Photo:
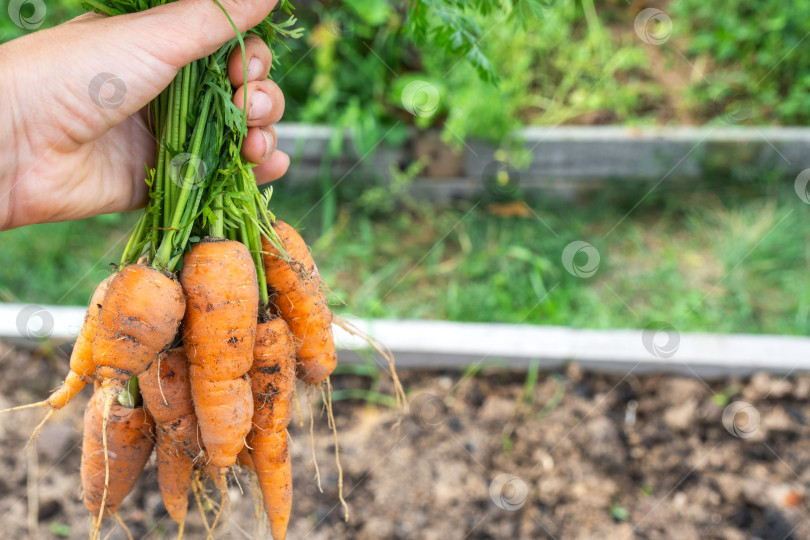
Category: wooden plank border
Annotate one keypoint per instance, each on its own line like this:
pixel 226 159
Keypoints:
pixel 441 345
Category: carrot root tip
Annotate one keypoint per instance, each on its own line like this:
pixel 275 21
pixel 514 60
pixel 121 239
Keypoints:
pixel 39 427
pixel 382 350
pixel 36 405
pixel 331 416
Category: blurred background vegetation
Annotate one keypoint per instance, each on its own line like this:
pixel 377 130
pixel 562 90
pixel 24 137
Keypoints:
pixel 576 62
pixel 716 258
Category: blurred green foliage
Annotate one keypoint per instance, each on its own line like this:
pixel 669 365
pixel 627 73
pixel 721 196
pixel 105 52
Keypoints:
pixel 561 61
pixel 56 12
pixel 565 67
pixel 756 57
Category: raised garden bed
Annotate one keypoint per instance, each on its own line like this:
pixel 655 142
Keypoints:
pixel 452 345
pixel 569 159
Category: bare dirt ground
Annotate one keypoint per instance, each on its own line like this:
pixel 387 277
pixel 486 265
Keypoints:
pixel 595 456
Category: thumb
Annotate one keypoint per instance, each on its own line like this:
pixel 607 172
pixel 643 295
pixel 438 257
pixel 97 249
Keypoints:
pixel 186 30
pixel 135 56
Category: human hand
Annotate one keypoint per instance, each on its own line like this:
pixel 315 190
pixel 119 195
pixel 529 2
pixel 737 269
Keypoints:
pixel 70 154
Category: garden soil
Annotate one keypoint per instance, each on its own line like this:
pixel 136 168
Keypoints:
pixel 577 455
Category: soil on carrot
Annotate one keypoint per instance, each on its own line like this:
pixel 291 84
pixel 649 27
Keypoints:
pixel 578 455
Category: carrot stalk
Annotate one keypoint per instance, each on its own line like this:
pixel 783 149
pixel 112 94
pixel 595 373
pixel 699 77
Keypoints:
pixel 167 246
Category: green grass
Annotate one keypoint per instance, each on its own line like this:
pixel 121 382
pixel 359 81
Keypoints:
pixel 61 263
pixel 706 265
pixel 699 260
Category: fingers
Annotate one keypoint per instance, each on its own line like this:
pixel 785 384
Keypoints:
pixel 259 146
pixel 265 102
pixel 258 57
pixel 198 28
pixel 265 99
pixel 259 143
pixel 274 168
pixel 265 107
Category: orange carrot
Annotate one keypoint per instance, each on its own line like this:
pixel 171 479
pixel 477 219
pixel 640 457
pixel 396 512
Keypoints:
pixel 166 394
pixel 301 303
pixel 271 457
pixel 174 469
pixel 138 319
pixel 272 379
pixel 272 376
pixel 218 333
pixel 129 444
pixel 166 391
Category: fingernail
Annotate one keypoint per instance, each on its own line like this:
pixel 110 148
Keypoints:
pixel 270 144
pixel 260 105
pixel 254 69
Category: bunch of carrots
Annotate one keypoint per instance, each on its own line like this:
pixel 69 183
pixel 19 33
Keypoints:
pixel 197 368
pixel 194 344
